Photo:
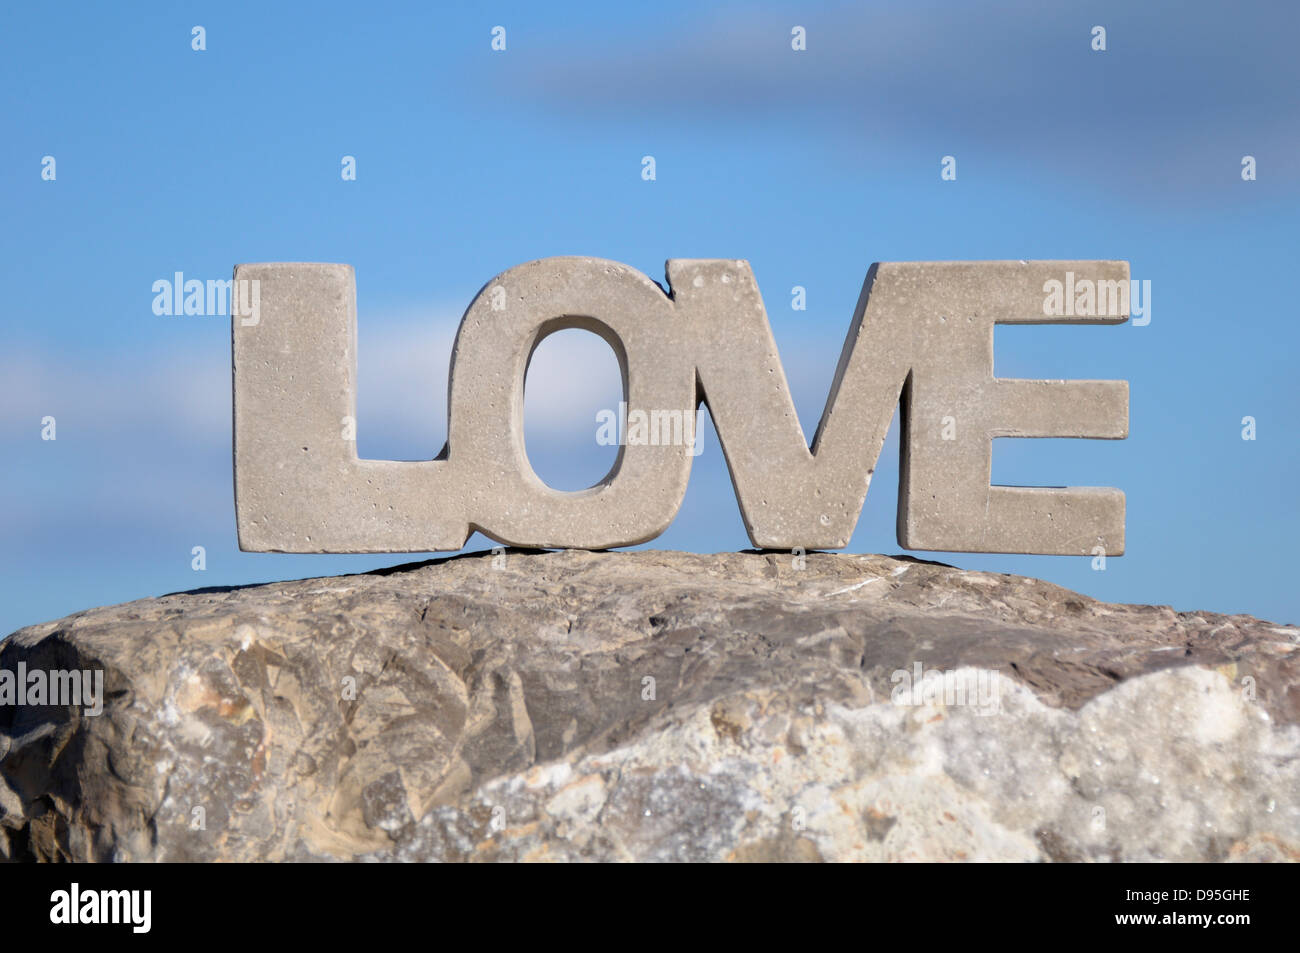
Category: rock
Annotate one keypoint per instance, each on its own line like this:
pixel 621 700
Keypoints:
pixel 657 706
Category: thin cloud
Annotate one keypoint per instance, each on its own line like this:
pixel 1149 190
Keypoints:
pixel 1181 93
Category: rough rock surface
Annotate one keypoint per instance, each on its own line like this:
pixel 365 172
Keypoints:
pixel 657 706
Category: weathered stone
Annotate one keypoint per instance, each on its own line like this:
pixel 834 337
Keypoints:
pixel 922 331
pixel 656 706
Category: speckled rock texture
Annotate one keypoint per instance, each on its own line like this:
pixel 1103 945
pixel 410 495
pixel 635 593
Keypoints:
pixel 657 706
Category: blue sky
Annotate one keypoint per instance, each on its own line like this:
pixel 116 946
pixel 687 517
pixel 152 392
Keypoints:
pixel 811 165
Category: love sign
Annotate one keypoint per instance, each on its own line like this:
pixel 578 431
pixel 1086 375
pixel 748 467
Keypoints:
pixel 922 333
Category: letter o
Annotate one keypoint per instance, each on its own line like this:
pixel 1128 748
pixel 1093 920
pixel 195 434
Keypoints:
pixel 507 501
